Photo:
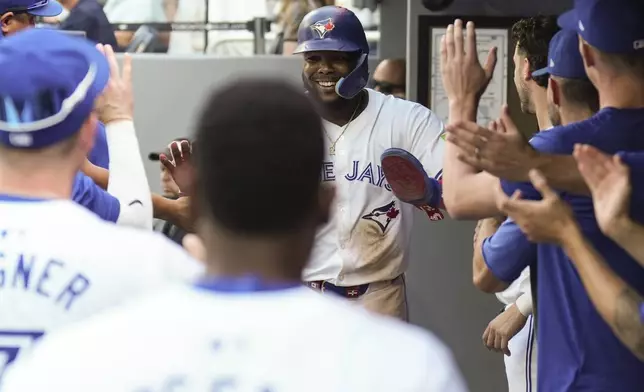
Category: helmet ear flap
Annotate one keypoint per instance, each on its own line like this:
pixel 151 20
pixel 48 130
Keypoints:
pixel 349 86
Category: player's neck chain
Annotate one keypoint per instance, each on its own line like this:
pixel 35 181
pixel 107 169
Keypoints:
pixel 334 142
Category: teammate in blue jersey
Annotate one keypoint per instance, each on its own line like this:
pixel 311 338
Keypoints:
pixel 578 349
pixel 571 98
pixel 551 220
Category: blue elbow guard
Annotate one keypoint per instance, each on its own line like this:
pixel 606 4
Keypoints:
pixel 433 193
pixel 408 179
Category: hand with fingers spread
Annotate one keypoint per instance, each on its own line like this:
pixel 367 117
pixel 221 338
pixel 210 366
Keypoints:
pixel 609 182
pixel 117 100
pixel 547 220
pixel 503 152
pixel 464 79
pixel 180 165
pixel 504 327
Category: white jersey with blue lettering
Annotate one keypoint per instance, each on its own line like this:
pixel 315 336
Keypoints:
pixel 367 238
pixel 196 338
pixel 60 263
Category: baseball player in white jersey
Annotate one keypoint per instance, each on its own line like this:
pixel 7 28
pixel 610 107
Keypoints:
pixel 362 253
pixel 61 263
pixel 250 324
pixel 127 200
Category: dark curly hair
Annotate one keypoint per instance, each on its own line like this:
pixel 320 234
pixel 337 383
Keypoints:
pixel 532 36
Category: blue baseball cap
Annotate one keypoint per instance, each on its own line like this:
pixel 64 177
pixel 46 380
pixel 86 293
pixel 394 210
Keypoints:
pixel 564 59
pixel 48 85
pixel 612 26
pixel 32 7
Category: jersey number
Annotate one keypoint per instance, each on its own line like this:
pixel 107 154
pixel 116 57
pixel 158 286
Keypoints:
pixel 11 342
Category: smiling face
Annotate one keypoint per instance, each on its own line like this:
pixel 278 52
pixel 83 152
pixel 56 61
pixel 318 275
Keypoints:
pixel 323 70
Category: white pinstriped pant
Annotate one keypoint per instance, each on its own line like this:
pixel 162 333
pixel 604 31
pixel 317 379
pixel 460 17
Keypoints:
pixel 521 366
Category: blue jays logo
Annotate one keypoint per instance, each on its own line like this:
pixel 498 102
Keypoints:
pixel 322 27
pixel 383 215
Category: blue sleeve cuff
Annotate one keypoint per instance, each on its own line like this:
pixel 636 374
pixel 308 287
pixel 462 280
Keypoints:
pixel 508 252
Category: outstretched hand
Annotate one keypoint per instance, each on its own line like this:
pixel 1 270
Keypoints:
pixel 180 165
pixel 503 152
pixel 464 79
pixel 609 182
pixel 117 100
pixel 547 220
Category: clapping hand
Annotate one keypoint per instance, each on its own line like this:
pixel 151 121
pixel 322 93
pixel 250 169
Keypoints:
pixel 609 182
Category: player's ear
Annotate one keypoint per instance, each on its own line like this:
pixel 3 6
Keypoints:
pixel 87 133
pixel 525 70
pixel 554 89
pixel 325 200
pixel 587 53
pixel 5 19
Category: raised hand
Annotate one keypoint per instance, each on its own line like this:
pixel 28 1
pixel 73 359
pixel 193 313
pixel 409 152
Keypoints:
pixel 117 100
pixel 609 182
pixel 547 220
pixel 180 165
pixel 464 79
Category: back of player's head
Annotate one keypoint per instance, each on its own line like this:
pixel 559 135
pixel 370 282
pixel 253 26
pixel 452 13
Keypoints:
pixel 258 151
pixel 532 36
pixel 566 67
pixel 613 29
pixel 580 93
pixel 48 86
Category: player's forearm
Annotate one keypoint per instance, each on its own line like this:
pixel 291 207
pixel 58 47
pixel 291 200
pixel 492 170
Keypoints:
pixel 100 176
pixel 174 211
pixel 618 304
pixel 458 177
pixel 163 207
pixel 629 235
pixel 562 173
pixel 127 179
pixel 482 277
pixel 472 196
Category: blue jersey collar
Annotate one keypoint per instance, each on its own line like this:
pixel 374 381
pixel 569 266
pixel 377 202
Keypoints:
pixel 20 199
pixel 245 284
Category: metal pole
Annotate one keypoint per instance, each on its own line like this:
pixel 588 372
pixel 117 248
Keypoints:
pixel 259 28
pixel 206 31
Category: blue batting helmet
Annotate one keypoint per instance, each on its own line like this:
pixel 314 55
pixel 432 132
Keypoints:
pixel 337 29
